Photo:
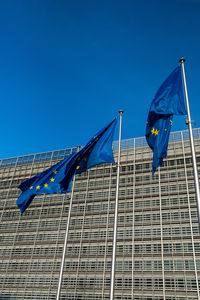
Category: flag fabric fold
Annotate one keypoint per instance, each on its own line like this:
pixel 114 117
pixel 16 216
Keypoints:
pixel 157 134
pixel 169 98
pixel 58 178
pixel 168 101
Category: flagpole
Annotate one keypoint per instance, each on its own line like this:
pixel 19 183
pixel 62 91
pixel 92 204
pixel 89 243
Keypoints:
pixel 112 275
pixel 189 123
pixel 66 239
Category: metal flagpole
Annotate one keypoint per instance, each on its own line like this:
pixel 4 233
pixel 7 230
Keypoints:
pixel 66 238
pixel 112 275
pixel 189 123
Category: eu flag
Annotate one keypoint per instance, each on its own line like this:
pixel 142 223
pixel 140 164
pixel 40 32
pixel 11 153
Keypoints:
pixel 58 178
pixel 168 101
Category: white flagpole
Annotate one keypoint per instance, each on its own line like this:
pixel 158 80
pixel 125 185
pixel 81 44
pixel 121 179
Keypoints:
pixel 112 275
pixel 189 123
pixel 65 242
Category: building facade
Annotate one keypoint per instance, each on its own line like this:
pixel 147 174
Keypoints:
pixel 158 242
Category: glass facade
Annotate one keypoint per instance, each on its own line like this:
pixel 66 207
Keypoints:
pixel 158 242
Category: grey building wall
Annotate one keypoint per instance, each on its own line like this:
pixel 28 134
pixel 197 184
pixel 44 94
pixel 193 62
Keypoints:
pixel 158 243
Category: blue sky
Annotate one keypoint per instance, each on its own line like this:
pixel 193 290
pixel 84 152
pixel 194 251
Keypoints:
pixel 67 67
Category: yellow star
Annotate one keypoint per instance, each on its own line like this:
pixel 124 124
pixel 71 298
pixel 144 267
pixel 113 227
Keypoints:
pixel 156 132
pixel 171 122
pixel 165 129
pixel 78 167
pixel 55 172
pixel 94 136
pixel 85 159
pixel 96 139
pixel 153 131
pixel 52 179
pixel 31 187
pixel 37 187
pixel 45 185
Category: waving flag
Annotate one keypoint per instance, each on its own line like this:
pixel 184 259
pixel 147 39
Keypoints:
pixel 168 101
pixel 58 178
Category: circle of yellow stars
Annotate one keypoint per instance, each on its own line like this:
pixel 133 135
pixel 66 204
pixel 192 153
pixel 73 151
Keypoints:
pixel 38 187
pixel 46 184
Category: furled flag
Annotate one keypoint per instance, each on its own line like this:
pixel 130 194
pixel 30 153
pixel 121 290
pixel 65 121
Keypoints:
pixel 58 178
pixel 168 101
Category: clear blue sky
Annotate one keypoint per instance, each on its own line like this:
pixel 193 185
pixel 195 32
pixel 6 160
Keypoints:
pixel 68 66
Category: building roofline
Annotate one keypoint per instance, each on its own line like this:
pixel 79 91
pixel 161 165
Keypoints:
pixel 137 142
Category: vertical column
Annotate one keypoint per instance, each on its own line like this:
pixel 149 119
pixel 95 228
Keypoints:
pixel 112 277
pixel 190 218
pixel 161 238
pixel 66 239
pixel 38 225
pixel 81 240
pixel 133 227
pixel 189 122
pixel 107 232
pixel 4 208
pixel 64 200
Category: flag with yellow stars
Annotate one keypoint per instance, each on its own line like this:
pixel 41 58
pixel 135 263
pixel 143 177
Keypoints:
pixel 157 134
pixel 168 101
pixel 58 178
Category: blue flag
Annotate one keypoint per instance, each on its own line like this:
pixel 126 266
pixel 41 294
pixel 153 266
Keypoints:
pixel 169 98
pixel 58 178
pixel 168 101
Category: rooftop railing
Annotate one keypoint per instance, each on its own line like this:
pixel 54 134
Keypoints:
pixel 60 154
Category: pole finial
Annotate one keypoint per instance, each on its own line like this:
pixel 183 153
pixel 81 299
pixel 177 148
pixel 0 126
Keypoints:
pixel 121 111
pixel 182 60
